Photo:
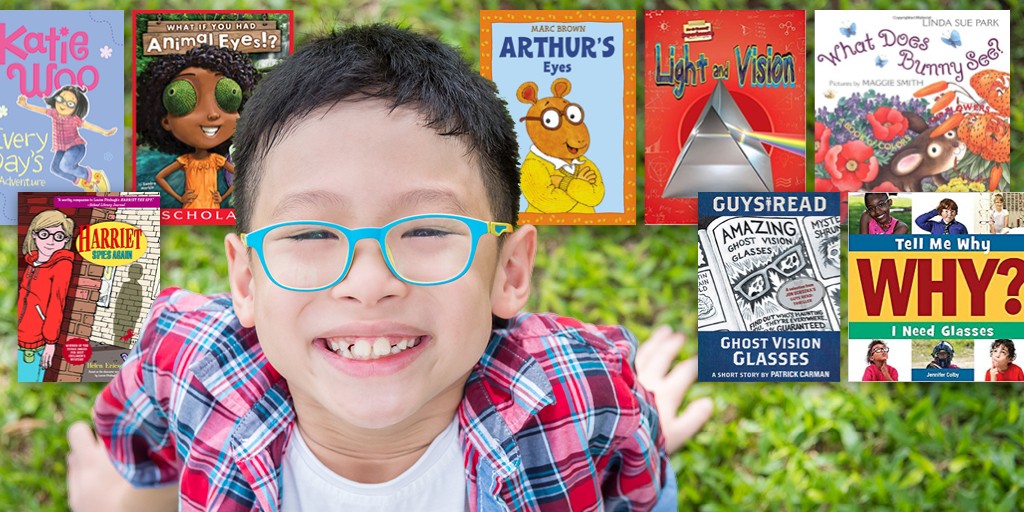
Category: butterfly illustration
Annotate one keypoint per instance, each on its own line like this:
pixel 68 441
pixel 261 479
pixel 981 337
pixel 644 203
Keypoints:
pixel 849 31
pixel 953 39
pixel 881 61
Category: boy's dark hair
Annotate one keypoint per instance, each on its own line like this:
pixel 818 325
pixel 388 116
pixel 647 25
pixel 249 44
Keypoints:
pixel 402 68
pixel 947 204
pixel 81 102
pixel 1008 343
pixel 871 348
pixel 149 105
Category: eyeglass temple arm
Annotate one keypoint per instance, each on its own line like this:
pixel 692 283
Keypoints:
pixel 494 228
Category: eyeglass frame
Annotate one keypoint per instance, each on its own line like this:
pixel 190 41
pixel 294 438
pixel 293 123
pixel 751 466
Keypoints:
pixel 740 287
pixel 561 114
pixel 40 232
pixel 878 350
pixel 477 229
pixel 67 103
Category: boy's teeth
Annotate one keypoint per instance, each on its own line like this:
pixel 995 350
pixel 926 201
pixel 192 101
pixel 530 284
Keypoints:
pixel 369 348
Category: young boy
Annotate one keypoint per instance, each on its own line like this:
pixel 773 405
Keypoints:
pixel 364 368
pixel 947 225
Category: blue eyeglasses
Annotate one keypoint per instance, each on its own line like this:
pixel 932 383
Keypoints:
pixel 422 250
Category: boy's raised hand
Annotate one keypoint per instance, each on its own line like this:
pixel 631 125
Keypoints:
pixel 94 483
pixel 655 370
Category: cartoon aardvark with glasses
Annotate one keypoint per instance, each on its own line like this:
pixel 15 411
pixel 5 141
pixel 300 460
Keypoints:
pixel 555 176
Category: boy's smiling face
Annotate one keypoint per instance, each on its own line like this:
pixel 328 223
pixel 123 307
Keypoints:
pixel 360 164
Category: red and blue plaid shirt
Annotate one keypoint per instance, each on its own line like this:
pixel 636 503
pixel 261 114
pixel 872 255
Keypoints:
pixel 552 417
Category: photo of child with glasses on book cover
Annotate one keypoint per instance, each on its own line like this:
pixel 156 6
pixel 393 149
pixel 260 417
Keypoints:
pixel 372 353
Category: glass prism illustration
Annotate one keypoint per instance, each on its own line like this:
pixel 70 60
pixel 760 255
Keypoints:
pixel 717 156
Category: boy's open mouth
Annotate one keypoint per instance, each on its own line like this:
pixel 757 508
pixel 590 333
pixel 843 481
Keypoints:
pixel 370 348
pixel 210 131
pixel 571 149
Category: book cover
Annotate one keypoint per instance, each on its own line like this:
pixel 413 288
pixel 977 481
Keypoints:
pixel 61 103
pixel 768 285
pixel 192 74
pixel 935 286
pixel 724 107
pixel 569 78
pixel 89 269
pixel 912 101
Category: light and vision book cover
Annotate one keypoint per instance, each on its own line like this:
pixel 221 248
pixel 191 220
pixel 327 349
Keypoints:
pixel 61 103
pixel 724 107
pixel 935 286
pixel 569 78
pixel 89 269
pixel 912 101
pixel 192 74
pixel 768 287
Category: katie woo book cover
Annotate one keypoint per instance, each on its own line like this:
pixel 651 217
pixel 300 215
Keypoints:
pixel 911 101
pixel 61 103
pixel 192 74
pixel 724 107
pixel 569 78
pixel 88 271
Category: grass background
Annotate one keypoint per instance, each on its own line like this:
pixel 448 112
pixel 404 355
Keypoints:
pixel 768 447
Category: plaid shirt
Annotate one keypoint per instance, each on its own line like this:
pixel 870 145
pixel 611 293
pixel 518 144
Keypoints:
pixel 552 417
pixel 65 130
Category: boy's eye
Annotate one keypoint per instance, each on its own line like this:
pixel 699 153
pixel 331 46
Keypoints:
pixel 322 234
pixel 179 97
pixel 425 233
pixel 229 95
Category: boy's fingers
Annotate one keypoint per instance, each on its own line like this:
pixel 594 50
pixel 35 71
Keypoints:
pixel 677 382
pixel 683 427
pixel 643 353
pixel 80 436
pixel 664 348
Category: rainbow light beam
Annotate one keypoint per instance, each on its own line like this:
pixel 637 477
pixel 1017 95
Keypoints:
pixel 795 144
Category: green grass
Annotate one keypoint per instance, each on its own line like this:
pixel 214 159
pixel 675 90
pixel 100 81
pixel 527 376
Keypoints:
pixel 768 447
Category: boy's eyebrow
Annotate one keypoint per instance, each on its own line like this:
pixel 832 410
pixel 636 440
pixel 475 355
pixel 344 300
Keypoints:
pixel 441 199
pixel 307 201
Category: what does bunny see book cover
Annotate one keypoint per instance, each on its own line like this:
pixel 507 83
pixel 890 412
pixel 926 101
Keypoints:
pixel 61 103
pixel 912 101
pixel 88 271
pixel 569 78
pixel 724 107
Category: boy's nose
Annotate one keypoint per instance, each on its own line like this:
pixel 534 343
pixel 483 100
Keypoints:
pixel 369 280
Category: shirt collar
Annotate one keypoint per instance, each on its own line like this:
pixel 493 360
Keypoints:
pixel 557 162
pixel 505 390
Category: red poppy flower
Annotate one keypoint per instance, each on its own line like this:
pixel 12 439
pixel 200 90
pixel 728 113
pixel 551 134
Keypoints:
pixel 850 165
pixel 886 186
pixel 822 134
pixel 888 123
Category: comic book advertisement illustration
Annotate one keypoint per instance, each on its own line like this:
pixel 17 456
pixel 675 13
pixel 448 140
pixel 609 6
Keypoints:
pixel 192 74
pixel 569 78
pixel 768 284
pixel 912 101
pixel 89 269
pixel 935 286
pixel 724 107
pixel 61 104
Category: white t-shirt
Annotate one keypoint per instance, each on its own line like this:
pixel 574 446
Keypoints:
pixel 435 483
pixel 999 218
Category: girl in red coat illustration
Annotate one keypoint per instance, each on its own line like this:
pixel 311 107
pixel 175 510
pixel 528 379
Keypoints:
pixel 43 291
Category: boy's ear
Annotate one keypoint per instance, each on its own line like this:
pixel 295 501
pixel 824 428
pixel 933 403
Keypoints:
pixel 515 269
pixel 240 279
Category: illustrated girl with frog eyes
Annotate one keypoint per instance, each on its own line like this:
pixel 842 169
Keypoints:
pixel 188 105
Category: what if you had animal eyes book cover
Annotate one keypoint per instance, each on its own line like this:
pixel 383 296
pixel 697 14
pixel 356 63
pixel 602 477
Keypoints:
pixel 724 107
pixel 569 78
pixel 88 271
pixel 193 72
pixel 912 101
